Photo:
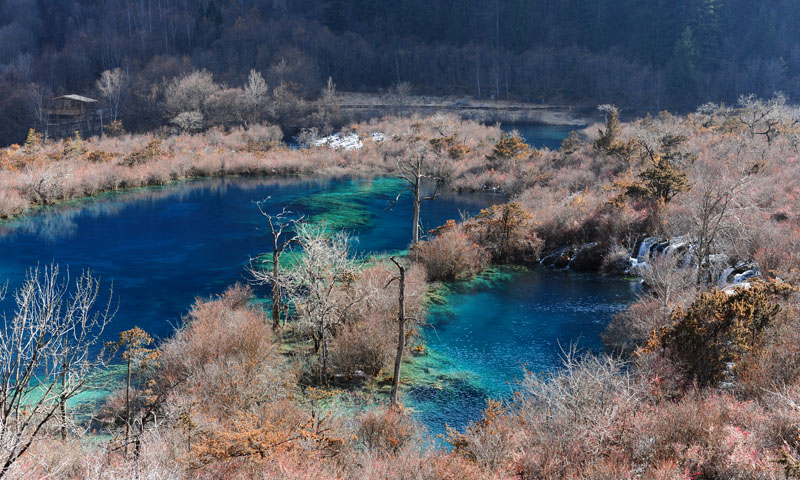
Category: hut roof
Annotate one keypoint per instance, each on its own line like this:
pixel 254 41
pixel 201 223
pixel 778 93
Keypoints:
pixel 77 98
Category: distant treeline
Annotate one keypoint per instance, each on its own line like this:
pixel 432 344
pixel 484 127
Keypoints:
pixel 639 54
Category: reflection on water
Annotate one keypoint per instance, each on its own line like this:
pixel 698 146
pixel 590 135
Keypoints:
pixel 58 221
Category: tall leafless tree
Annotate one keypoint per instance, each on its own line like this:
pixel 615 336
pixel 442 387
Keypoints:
pixel 111 85
pixel 256 96
pixel 38 96
pixel 401 328
pixel 50 350
pixel 415 167
pixel 281 229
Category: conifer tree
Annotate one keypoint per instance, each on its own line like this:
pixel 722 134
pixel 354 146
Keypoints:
pixel 681 70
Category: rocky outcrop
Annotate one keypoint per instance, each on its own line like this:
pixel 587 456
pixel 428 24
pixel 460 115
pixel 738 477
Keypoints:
pixel 581 258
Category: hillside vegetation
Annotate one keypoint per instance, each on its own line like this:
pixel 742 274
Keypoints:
pixel 638 54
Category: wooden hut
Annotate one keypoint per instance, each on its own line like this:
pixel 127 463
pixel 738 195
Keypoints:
pixel 70 113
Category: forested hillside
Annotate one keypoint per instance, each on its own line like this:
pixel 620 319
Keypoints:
pixel 651 54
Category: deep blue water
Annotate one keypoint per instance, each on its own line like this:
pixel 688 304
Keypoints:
pixel 541 136
pixel 163 247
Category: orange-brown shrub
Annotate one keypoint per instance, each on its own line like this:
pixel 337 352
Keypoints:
pixel 451 254
pixel 380 296
pixel 777 363
pixel 507 231
pixel 367 345
pixel 386 430
pixel 488 442
pixel 718 329
pixel 368 341
pixel 225 356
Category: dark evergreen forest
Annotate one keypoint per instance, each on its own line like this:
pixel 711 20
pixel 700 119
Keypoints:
pixel 650 54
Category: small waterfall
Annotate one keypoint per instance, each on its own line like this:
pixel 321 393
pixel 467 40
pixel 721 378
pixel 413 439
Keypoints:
pixel 577 253
pixel 551 258
pixel 677 245
pixel 644 248
pixel 723 277
pixel 741 277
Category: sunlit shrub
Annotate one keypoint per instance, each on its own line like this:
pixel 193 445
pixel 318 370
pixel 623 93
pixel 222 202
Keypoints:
pixel 451 254
pixel 386 430
pixel 719 328
pixel 368 346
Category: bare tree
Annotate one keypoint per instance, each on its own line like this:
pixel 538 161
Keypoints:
pixel 189 121
pixel 190 93
pixel 256 95
pixel 111 85
pixel 401 92
pixel 280 226
pixel 401 328
pixel 764 117
pixel 417 165
pixel 38 96
pixel 50 350
pixel 667 282
pixel 722 176
pixel 136 354
pixel 327 106
pixel 320 285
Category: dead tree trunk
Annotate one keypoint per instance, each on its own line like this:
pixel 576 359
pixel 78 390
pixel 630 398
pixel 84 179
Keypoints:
pixel 414 170
pixel 401 332
pixel 278 225
pixel 417 205
pixel 276 290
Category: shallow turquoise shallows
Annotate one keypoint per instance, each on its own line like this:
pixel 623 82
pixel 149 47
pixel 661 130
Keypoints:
pixel 163 247
pixel 488 331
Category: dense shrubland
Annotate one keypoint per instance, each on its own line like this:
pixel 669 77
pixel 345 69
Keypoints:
pixel 704 382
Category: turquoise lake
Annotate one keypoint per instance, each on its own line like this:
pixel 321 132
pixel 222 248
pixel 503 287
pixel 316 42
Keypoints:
pixel 163 247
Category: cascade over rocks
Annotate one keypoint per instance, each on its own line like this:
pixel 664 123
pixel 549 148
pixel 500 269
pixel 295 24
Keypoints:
pixel 591 257
pixel 723 268
pixel 587 257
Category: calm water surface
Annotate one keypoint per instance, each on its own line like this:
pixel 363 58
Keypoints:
pixel 489 330
pixel 163 247
pixel 541 136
